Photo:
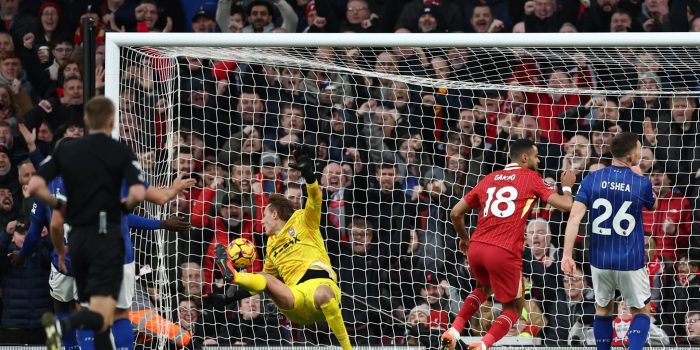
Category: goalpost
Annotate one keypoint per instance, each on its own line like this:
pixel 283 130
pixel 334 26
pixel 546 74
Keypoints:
pixel 404 125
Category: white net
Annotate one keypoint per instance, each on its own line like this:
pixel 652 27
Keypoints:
pixel 400 135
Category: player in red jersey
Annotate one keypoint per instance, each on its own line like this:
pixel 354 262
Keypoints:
pixel 506 198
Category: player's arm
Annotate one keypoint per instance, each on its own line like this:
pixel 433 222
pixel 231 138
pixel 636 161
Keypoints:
pixel 36 224
pixel 312 208
pixel 37 186
pixel 649 195
pixel 565 201
pixel 173 223
pixel 58 238
pixel 132 174
pixel 164 195
pixel 572 226
pixel 304 163
pixel 457 215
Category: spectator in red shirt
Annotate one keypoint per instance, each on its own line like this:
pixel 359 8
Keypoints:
pixel 656 265
pixel 553 104
pixel 420 331
pixel 228 221
pixel 434 294
pixel 657 337
pixel 673 216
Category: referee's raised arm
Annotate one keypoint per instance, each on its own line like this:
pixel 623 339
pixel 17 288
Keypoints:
pixel 93 169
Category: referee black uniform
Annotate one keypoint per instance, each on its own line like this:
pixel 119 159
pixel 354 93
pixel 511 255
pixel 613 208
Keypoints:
pixel 93 168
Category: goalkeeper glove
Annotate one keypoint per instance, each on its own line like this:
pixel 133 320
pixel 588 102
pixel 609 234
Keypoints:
pixel 303 161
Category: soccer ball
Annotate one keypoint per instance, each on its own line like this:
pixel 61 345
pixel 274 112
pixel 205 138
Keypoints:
pixel 241 253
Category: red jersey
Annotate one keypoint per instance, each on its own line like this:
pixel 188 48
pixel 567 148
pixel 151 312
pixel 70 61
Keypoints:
pixel 674 209
pixel 547 112
pixel 621 326
pixel 506 198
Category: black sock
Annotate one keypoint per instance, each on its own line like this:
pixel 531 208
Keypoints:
pixel 103 341
pixel 83 319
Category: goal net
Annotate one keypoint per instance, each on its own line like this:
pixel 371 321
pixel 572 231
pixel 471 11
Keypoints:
pixel 399 135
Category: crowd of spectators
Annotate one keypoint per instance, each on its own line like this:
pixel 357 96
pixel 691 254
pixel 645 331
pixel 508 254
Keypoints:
pixel 392 156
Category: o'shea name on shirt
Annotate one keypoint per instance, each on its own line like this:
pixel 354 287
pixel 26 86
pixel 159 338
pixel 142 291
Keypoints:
pixel 617 186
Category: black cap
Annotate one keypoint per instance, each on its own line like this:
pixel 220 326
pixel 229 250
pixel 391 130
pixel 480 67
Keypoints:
pixel 202 13
pixel 666 168
pixel 430 9
pixel 432 279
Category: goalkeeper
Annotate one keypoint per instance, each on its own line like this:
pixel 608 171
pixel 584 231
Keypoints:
pixel 297 255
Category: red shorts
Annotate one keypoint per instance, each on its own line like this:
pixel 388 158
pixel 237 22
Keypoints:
pixel 497 268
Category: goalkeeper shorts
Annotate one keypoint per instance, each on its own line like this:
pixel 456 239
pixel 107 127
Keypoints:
pixel 304 311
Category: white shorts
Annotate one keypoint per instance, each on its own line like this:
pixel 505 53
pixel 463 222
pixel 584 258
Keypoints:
pixel 126 293
pixel 62 287
pixel 633 285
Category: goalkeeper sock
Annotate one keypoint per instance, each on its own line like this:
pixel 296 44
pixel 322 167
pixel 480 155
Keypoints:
pixel 123 334
pixel 68 337
pixel 253 282
pixel 471 305
pixel 638 331
pixel 603 332
pixel 331 311
pixel 500 327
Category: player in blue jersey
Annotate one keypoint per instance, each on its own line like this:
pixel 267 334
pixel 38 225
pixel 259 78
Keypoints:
pixel 122 329
pixel 61 282
pixel 615 197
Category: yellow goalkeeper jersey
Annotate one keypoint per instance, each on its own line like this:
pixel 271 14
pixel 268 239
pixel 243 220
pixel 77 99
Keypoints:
pixel 299 245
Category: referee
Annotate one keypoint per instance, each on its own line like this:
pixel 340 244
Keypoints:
pixel 92 168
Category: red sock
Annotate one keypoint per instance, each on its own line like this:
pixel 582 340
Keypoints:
pixel 500 327
pixel 469 308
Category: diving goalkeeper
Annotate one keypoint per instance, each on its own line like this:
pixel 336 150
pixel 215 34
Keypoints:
pixel 297 255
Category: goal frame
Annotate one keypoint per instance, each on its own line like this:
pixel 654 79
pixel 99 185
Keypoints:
pixel 115 41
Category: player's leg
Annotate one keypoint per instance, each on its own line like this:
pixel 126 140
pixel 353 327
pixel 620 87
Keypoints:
pixel 122 330
pixel 56 327
pixel 97 318
pixel 253 282
pixel 604 286
pixel 471 305
pixel 473 301
pixel 105 306
pixel 506 279
pixel 68 339
pixel 62 290
pixel 637 293
pixel 502 324
pixel 99 280
pixel 279 292
pixel 326 301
